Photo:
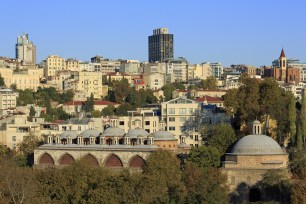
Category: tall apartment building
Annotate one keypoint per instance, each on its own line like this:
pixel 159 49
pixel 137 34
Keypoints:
pixel 8 99
pixel 25 50
pixel 160 45
pixel 54 64
pixel 180 115
pixel 216 69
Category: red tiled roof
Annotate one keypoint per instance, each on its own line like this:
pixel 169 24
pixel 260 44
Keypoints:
pixel 209 99
pixel 79 103
pixel 105 103
pixel 75 103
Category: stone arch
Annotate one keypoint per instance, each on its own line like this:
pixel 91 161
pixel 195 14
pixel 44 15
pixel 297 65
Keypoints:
pixel 113 161
pixel 254 195
pixel 90 159
pixel 136 162
pixel 66 159
pixel 46 159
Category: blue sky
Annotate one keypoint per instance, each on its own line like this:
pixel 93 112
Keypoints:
pixel 230 32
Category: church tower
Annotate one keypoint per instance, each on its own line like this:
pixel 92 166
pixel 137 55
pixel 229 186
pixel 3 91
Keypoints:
pixel 283 65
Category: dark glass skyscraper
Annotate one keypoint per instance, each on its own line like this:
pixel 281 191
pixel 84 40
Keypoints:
pixel 160 45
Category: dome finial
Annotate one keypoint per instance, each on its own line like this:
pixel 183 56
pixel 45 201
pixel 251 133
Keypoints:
pixel 256 127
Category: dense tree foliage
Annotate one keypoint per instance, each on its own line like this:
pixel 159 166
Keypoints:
pixel 108 111
pixel 205 156
pixel 169 88
pixel 209 84
pixel 2 83
pixel 259 100
pixel 89 104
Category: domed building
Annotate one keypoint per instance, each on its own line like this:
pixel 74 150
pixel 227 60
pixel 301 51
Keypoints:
pixel 249 159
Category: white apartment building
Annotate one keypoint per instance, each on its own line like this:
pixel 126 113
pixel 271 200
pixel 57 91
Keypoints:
pixel 216 69
pixel 25 50
pixel 180 115
pixel 154 81
pixel 54 64
pixel 8 99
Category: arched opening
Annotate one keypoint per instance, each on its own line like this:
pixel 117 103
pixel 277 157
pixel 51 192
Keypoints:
pixel 254 195
pixel 64 141
pixel 46 159
pixel 86 141
pixel 137 162
pixel 91 160
pixel 113 162
pixel 109 141
pixel 66 159
pixel 133 142
pixel 121 141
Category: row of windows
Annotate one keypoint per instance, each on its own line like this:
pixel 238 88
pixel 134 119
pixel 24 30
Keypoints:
pixel 180 111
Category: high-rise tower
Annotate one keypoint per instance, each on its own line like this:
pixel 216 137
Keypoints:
pixel 25 50
pixel 160 45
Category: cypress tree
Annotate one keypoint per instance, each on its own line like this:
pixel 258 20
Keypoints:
pixel 292 120
pixel 303 117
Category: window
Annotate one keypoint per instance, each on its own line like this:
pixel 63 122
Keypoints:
pixel 121 122
pixel 79 128
pixel 196 138
pixel 147 122
pixel 171 111
pixel 182 111
pixel 171 128
pixel 171 119
pixel 182 119
pixel 191 137
pixel 14 138
pixel 190 110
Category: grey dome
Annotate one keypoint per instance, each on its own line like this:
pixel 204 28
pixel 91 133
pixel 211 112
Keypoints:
pixel 257 145
pixel 113 131
pixel 90 132
pixel 134 133
pixel 71 133
pixel 256 122
pixel 163 135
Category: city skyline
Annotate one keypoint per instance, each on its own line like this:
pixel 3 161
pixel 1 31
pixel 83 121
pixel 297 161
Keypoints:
pixel 241 33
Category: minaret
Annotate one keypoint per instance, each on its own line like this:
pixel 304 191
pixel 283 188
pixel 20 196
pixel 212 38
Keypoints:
pixel 283 65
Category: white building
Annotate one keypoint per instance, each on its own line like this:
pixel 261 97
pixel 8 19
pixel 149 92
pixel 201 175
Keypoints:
pixel 25 50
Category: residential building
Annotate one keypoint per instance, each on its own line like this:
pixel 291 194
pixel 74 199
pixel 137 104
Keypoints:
pixel 154 81
pixel 54 64
pixel 25 50
pixel 8 99
pixel 180 115
pixel 130 67
pixel 117 76
pixel 215 68
pixel 72 65
pixel 23 79
pixel 160 45
pixel 75 107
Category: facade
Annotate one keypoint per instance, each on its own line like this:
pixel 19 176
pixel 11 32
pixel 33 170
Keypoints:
pixel 283 72
pixel 112 149
pixel 130 67
pixel 249 159
pixel 154 81
pixel 25 50
pixel 117 76
pixel 72 65
pixel 160 45
pixel 180 115
pixel 23 79
pixel 75 107
pixel 8 99
pixel 54 64
pixel 215 68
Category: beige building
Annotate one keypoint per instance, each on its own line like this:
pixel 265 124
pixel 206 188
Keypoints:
pixel 8 99
pixel 112 149
pixel 117 76
pixel 154 81
pixel 198 71
pixel 248 160
pixel 24 79
pixel 72 65
pixel 16 130
pixel 54 64
pixel 180 115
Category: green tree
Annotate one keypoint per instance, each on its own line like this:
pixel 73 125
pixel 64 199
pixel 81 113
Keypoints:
pixel 292 119
pixel 298 192
pixel 205 157
pixel 25 97
pixel 95 114
pixel 303 116
pixel 205 185
pixel 13 86
pixel 209 84
pixel 123 109
pixel 121 90
pixel 68 96
pixel 275 186
pixel 2 83
pixel 162 170
pixel 220 136
pixel 230 101
pixel 4 151
pixel 168 89
pixel 27 146
pixel 109 110
pixel 89 104
pixel 297 164
pixel 32 112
